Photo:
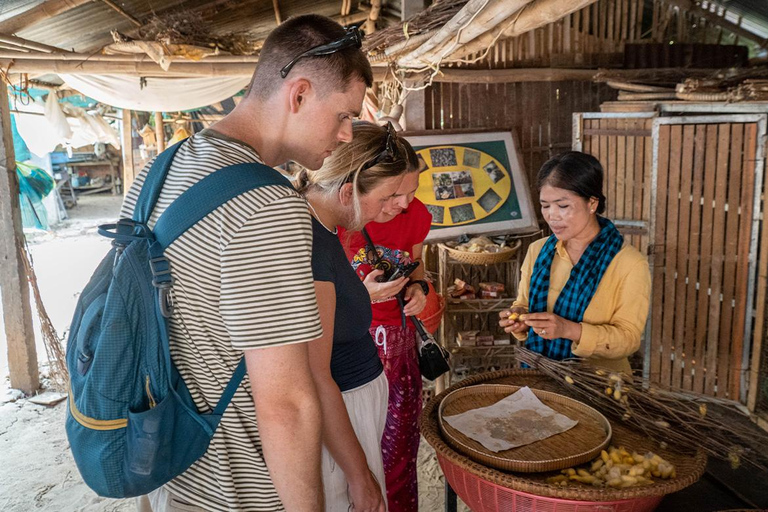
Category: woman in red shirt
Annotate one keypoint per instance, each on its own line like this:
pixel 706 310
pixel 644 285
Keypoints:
pixel 397 234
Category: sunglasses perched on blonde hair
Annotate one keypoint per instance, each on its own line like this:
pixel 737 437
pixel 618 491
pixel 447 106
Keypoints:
pixel 389 153
pixel 352 39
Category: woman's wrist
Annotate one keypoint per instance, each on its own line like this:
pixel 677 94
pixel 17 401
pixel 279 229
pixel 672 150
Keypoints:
pixel 574 332
pixel 422 283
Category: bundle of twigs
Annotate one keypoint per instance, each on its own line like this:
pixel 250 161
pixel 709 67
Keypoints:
pixel 670 417
pixel 191 27
pixel 425 21
pixel 57 362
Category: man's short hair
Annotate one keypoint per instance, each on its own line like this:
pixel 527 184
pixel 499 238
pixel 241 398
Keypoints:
pixel 298 34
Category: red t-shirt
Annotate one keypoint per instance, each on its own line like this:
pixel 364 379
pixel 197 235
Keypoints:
pixel 394 242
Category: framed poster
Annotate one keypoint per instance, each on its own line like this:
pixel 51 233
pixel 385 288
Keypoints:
pixel 473 183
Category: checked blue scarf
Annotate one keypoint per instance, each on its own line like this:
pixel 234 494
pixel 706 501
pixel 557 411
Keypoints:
pixel 577 292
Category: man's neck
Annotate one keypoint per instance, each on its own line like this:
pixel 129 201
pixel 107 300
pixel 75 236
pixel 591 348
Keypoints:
pixel 247 124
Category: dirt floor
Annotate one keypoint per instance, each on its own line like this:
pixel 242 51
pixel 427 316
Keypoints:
pixel 37 471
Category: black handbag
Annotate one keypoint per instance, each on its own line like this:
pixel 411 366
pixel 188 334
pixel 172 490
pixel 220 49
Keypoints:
pixel 433 359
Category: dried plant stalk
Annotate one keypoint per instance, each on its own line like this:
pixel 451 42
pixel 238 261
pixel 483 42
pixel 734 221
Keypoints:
pixel 669 416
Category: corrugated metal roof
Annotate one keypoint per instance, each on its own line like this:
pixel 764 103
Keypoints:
pixel 87 28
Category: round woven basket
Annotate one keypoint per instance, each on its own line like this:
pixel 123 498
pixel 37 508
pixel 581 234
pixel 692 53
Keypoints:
pixel 485 489
pixel 575 446
pixel 482 258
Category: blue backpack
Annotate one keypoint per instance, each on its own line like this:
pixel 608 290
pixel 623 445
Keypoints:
pixel 132 423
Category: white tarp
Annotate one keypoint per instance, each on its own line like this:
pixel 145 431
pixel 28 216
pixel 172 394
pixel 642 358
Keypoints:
pixel 156 94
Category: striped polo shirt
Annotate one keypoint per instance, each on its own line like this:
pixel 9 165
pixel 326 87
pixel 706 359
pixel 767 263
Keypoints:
pixel 242 280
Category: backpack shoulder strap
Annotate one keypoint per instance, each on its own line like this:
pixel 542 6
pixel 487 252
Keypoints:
pixel 211 192
pixel 153 184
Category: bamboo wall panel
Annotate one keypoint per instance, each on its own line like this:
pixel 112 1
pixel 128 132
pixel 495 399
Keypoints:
pixel 701 255
pixel 704 209
pixel 623 147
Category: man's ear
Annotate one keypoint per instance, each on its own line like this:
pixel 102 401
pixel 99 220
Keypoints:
pixel 299 91
pixel 345 194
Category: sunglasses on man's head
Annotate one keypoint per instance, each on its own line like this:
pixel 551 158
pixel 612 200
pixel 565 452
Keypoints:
pixel 390 151
pixel 352 39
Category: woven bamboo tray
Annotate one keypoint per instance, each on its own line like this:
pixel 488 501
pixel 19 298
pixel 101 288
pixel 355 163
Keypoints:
pixel 689 465
pixel 482 258
pixel 575 446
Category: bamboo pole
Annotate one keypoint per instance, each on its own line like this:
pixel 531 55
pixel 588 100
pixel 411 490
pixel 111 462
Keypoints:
pixel 373 15
pixel 17 309
pixel 30 45
pixel 37 14
pixel 475 18
pixel 85 57
pixel 159 132
pixel 276 8
pixel 127 150
pixel 144 69
pixel 525 20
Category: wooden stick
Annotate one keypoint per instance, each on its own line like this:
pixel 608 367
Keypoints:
pixel 127 150
pixel 122 12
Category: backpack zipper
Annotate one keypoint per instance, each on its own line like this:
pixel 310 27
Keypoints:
pixel 92 423
pixel 152 402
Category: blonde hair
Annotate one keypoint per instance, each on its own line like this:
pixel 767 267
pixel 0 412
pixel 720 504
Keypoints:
pixel 346 164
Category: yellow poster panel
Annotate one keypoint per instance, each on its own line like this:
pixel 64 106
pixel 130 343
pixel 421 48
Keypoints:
pixel 461 185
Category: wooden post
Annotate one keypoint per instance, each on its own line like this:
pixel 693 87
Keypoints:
pixel 127 143
pixel 14 288
pixel 159 132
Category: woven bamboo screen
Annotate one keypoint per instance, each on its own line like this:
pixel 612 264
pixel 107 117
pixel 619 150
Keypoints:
pixel 699 236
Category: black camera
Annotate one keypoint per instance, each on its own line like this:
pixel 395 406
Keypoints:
pixel 394 271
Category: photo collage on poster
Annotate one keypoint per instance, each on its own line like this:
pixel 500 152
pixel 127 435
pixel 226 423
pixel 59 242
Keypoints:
pixel 457 184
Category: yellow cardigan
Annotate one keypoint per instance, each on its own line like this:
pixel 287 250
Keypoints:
pixel 615 318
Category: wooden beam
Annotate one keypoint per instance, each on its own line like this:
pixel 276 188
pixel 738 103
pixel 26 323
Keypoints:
pixel 127 148
pixel 159 132
pixel 37 14
pixel 513 75
pixel 14 288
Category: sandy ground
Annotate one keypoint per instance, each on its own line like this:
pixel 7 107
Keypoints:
pixel 37 471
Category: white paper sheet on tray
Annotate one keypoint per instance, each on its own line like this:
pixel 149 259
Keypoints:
pixel 517 420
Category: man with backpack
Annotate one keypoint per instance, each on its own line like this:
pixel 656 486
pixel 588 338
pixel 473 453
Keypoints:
pixel 242 276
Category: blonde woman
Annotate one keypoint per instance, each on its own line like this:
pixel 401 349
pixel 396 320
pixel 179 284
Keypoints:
pixel 350 190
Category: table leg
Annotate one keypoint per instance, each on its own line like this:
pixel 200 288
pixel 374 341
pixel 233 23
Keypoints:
pixel 450 498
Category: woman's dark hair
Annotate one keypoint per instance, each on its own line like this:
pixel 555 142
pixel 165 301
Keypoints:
pixel 577 172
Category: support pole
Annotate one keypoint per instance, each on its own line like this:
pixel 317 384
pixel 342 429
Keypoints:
pixel 14 288
pixel 127 144
pixel 159 132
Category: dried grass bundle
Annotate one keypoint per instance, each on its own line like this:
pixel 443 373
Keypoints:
pixel 669 416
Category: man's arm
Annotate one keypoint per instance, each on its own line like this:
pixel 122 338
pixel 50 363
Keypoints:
pixel 288 414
